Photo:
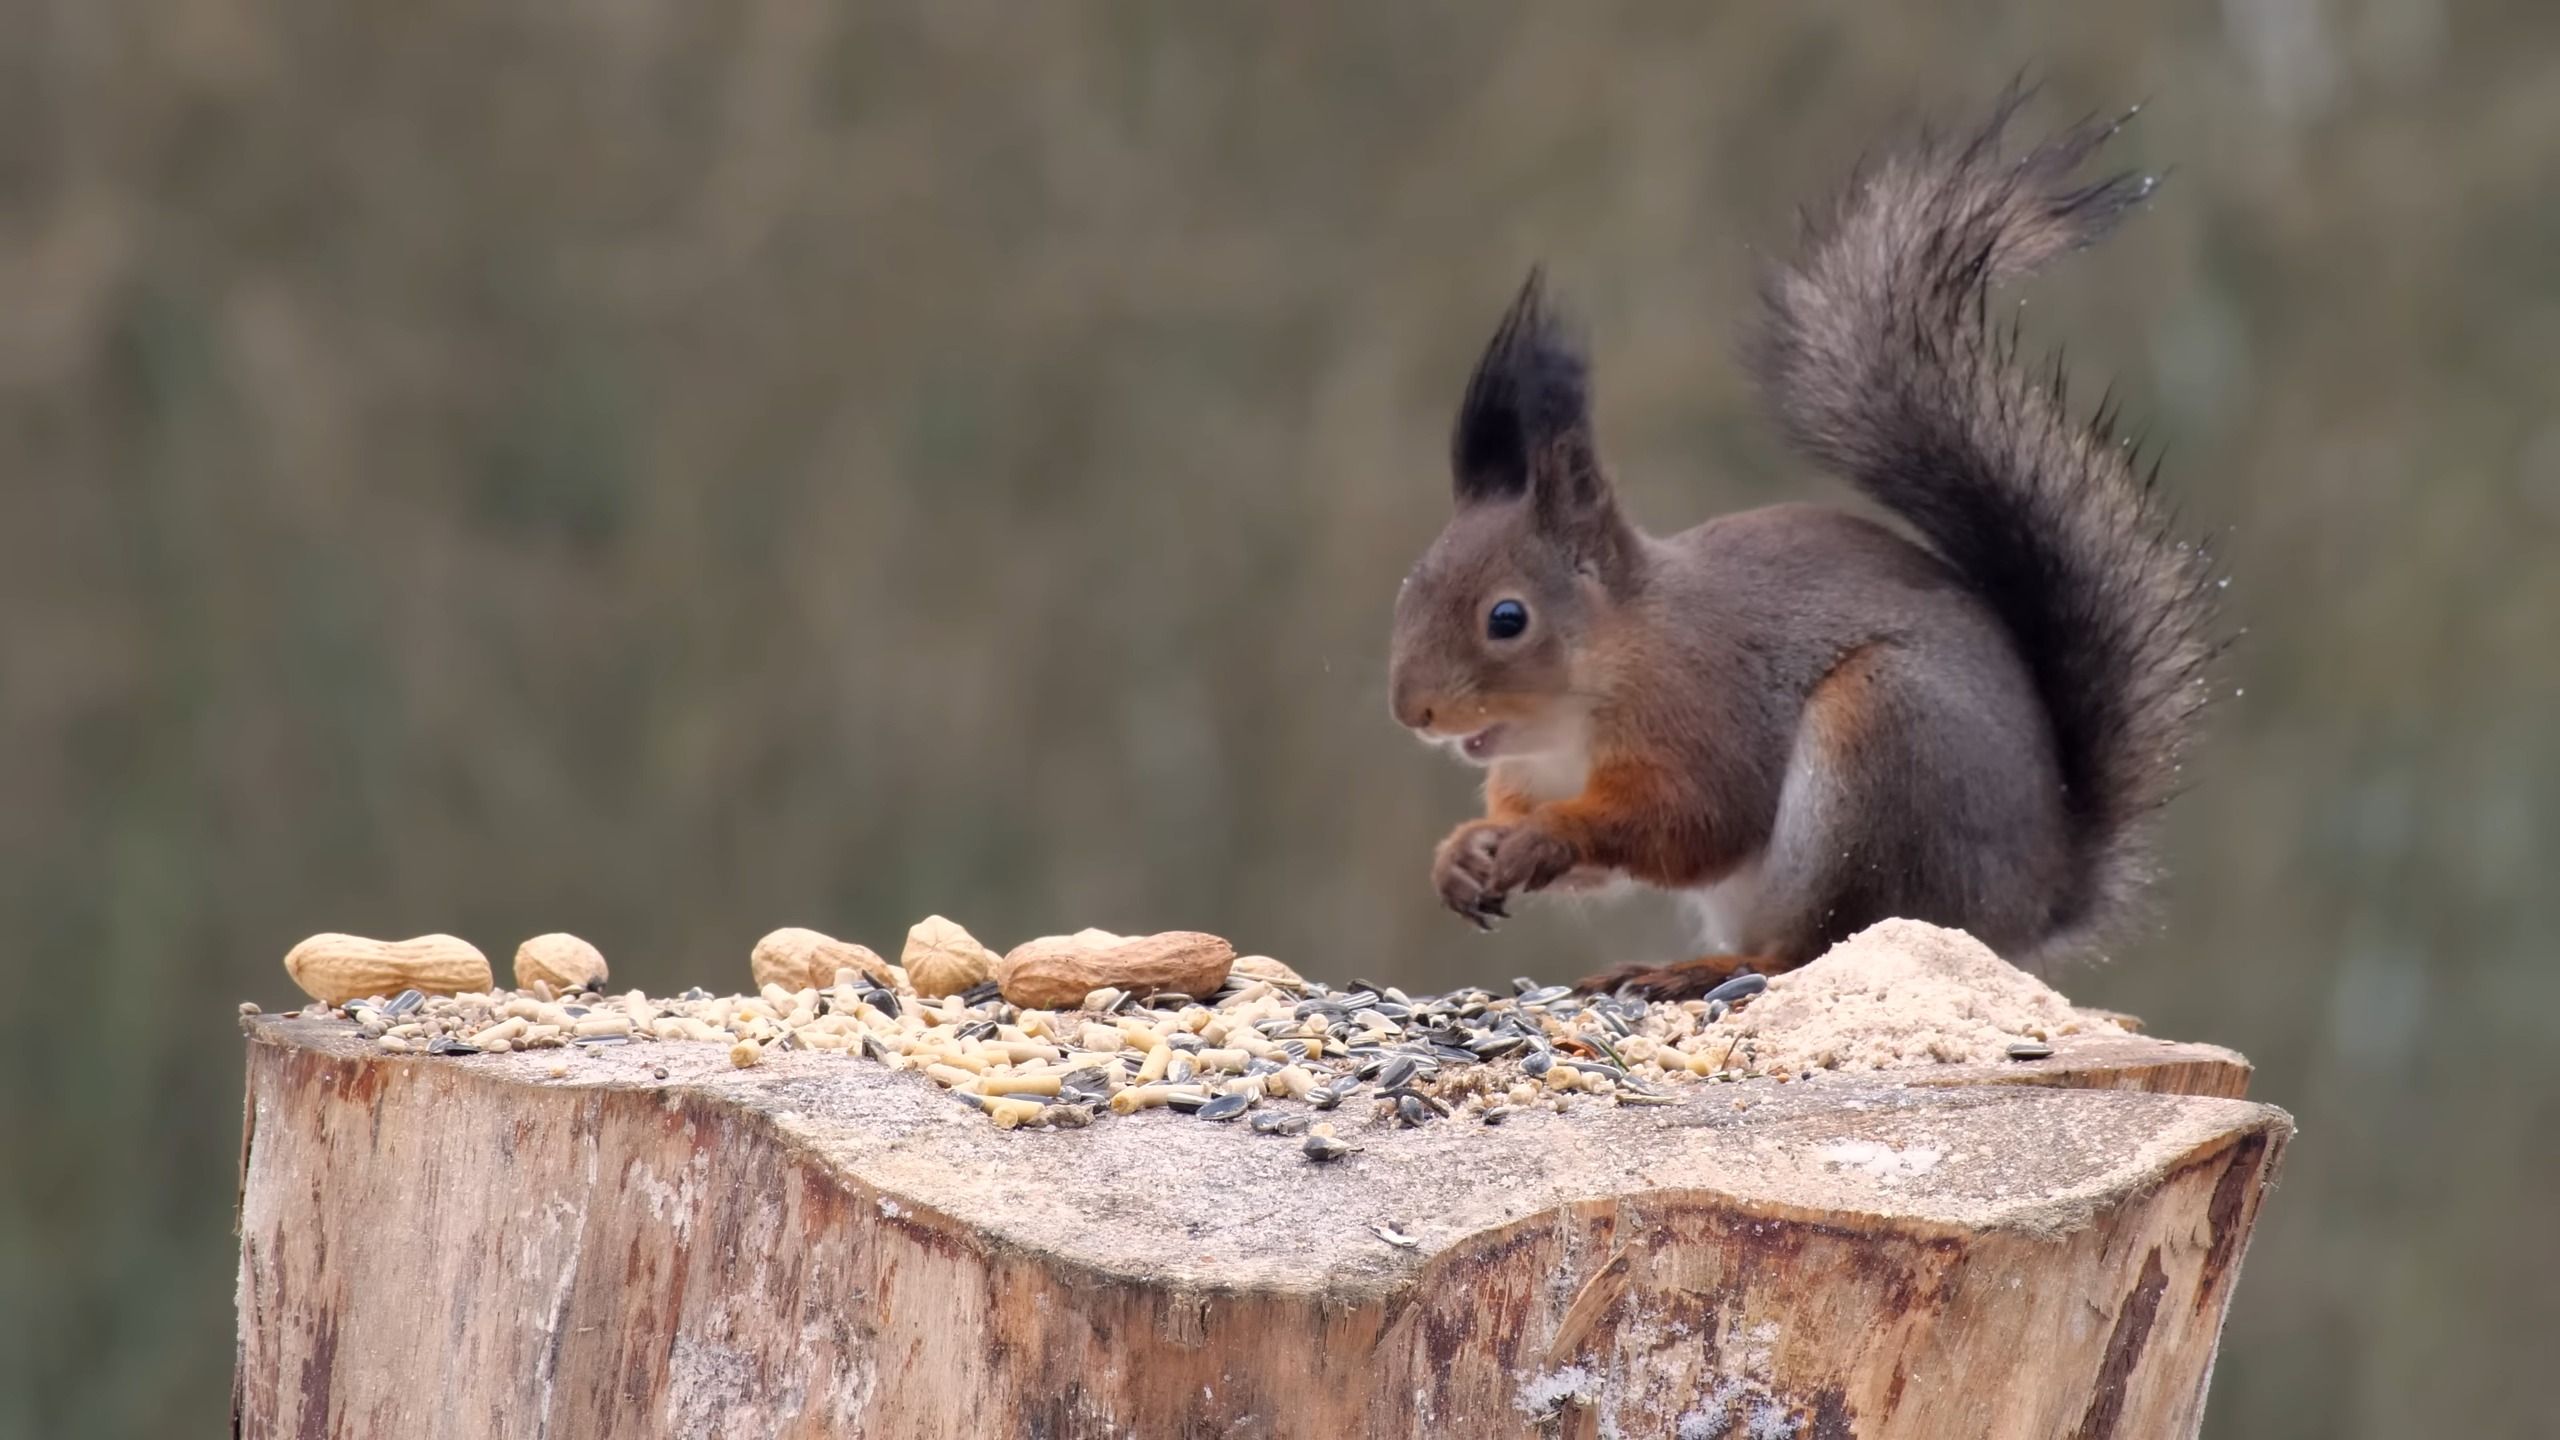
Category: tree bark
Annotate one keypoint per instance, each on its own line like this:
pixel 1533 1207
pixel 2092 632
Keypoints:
pixel 817 1246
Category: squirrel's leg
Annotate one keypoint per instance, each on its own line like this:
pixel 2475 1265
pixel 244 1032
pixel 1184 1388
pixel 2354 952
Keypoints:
pixel 1819 876
pixel 1906 796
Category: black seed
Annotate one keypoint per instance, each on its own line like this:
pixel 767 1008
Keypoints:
pixel 1275 1122
pixel 1739 987
pixel 884 1001
pixel 1539 1062
pixel 1170 1000
pixel 1546 995
pixel 1522 984
pixel 1180 1071
pixel 1411 1110
pixel 1182 1041
pixel 1396 1072
pixel 2029 1050
pixel 1187 1101
pixel 696 993
pixel 658 1072
pixel 1324 1147
pixel 1496 1114
pixel 1402 1094
pixel 608 1039
pixel 404 1002
pixel 447 1045
pixel 1224 1107
pixel 1717 1010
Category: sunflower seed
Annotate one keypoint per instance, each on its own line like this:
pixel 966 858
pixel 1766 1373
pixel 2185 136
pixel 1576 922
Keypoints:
pixel 1738 988
pixel 1275 1122
pixel 1326 1147
pixel 2029 1050
pixel 1224 1107
pixel 404 1002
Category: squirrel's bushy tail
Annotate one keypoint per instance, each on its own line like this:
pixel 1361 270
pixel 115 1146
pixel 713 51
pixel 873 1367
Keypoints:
pixel 1880 358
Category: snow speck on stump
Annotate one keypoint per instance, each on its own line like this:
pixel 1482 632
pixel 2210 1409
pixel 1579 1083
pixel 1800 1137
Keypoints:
pixel 477 1247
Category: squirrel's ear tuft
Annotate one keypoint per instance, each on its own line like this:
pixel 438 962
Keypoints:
pixel 1527 406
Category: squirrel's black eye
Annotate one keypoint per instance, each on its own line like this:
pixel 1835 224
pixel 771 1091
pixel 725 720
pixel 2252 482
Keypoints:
pixel 1506 619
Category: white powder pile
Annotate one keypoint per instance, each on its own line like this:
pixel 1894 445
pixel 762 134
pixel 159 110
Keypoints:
pixel 1904 993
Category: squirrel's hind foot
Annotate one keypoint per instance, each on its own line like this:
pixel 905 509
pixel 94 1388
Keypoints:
pixel 1679 980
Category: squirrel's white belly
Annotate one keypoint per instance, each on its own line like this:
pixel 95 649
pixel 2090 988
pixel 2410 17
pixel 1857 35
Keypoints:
pixel 1719 911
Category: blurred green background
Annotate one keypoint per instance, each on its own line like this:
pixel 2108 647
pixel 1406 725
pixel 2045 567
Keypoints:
pixel 668 471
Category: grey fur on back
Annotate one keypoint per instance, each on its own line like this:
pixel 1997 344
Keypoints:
pixel 1879 358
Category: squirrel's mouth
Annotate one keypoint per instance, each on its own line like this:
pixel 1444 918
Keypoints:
pixel 1482 745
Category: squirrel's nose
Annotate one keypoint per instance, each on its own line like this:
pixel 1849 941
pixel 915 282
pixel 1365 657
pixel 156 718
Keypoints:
pixel 1412 711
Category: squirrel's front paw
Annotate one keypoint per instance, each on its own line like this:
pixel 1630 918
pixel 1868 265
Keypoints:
pixel 1462 869
pixel 1484 863
pixel 1529 858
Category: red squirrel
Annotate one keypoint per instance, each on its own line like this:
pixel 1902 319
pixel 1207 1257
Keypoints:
pixel 1801 719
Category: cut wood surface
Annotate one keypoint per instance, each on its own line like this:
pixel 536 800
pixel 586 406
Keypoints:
pixel 469 1247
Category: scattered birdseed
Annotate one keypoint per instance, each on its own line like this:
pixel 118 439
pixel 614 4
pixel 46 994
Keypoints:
pixel 1278 1054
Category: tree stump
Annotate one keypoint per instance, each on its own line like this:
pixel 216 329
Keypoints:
pixel 467 1247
